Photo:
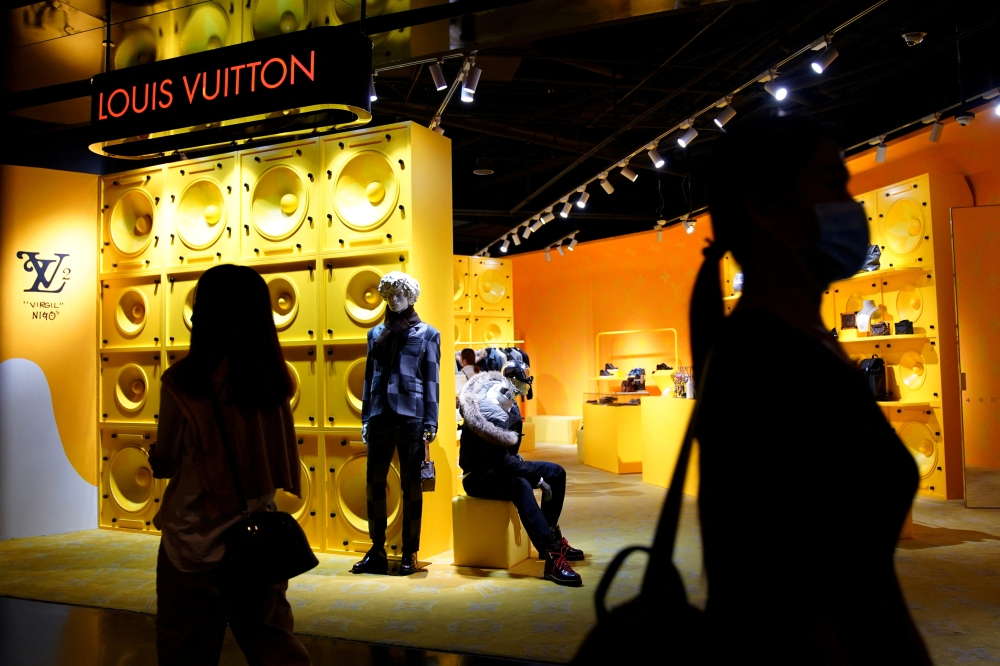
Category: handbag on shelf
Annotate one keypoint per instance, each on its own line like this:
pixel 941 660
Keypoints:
pixel 881 328
pixel 873 370
pixel 428 476
pixel 873 259
pixel 849 320
pixel 265 547
pixel 904 327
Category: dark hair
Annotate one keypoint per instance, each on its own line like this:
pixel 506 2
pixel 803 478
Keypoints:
pixel 469 357
pixel 762 159
pixel 232 324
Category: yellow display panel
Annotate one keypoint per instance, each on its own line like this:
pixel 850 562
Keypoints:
pixel 867 200
pixel 911 295
pixel 492 286
pixel 919 428
pixel 181 290
pixel 614 438
pixel 308 510
pixel 294 300
pixel 281 201
pixel 904 224
pixel 915 369
pixel 204 202
pixel 849 296
pixel 130 387
pixel 352 302
pixel 346 498
pixel 367 190
pixel 462 274
pixel 345 380
pixel 132 230
pixel 131 312
pixel 130 496
pixel 302 368
pixel 492 330
pixel 463 328
pixel 828 311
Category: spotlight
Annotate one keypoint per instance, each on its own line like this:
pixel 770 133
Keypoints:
pixel 572 244
pixel 548 255
pixel 548 217
pixel 777 90
pixel 472 80
pixel 880 151
pixel 466 95
pixel 628 173
pixel 581 201
pixel 517 239
pixel 506 244
pixel 688 225
pixel 659 235
pixel 685 139
pixel 567 207
pixel 439 81
pixel 725 116
pixel 372 95
pixel 820 64
pixel 607 186
pixel 937 129
pixel 535 227
pixel 560 248
pixel 654 156
pixel 527 230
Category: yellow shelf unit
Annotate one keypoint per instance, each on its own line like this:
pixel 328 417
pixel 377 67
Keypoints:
pixel 609 334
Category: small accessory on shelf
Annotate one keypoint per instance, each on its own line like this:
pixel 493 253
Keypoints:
pixel 635 401
pixel 608 366
pixel 605 373
pixel 833 331
pixel 628 386
pixel 881 328
pixel 663 366
pixel 904 327
pixel 848 320
pixel 607 400
pixel 738 283
pixel 873 370
pixel 872 260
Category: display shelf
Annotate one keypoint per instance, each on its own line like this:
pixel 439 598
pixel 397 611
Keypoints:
pixel 734 297
pixel 346 341
pixel 136 350
pixel 909 403
pixel 632 393
pixel 603 379
pixel 492 343
pixel 877 338
pixel 301 343
pixel 888 271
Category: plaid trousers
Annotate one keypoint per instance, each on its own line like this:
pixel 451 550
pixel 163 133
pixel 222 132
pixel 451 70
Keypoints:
pixel 386 434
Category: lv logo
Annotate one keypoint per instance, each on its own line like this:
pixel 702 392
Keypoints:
pixel 40 267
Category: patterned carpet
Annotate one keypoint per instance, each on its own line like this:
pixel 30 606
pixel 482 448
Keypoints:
pixel 950 573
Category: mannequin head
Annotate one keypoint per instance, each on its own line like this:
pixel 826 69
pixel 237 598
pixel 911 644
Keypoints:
pixel 399 291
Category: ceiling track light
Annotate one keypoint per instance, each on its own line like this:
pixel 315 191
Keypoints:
pixel 880 151
pixel 685 139
pixel 534 227
pixel 581 201
pixel 820 64
pixel 725 115
pixel 548 254
pixel 372 95
pixel 937 129
pixel 771 85
pixel 467 96
pixel 606 185
pixel 654 156
pixel 567 207
pixel 688 225
pixel 517 239
pixel 440 83
pixel 560 248
pixel 659 235
pixel 472 80
pixel 628 173
pixel 572 243
pixel 506 244
pixel 527 230
pixel 548 217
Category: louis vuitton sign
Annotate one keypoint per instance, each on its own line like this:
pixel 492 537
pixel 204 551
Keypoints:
pixel 317 79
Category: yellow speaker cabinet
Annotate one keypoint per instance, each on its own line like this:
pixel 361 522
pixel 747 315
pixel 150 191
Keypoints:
pixel 391 45
pixel 294 299
pixel 919 428
pixel 130 496
pixel 867 201
pixel 492 330
pixel 130 387
pixel 911 295
pixel 139 42
pixel 207 26
pixel 492 287
pixel 904 224
pixel 131 312
pixel 281 201
pixel 204 202
pixel 462 274
pixel 463 328
pixel 352 302
pixel 269 18
pixel 309 509
pixel 181 290
pixel 345 381
pixel 302 369
pixel 850 295
pixel 132 228
pixel 916 369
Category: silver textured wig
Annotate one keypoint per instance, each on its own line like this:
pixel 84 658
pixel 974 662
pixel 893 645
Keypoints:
pixel 395 281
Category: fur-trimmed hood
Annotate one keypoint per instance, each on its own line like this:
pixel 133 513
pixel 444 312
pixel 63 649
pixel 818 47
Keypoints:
pixel 473 391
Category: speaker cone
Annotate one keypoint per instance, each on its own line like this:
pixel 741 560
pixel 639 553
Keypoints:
pixel 131 222
pixel 188 307
pixel 278 17
pixel 492 286
pixel 131 479
pixel 904 226
pixel 293 376
pixel 130 313
pixel 137 47
pixel 206 28
pixel 361 297
pixel 911 370
pixel 356 384
pixel 289 503
pixel 366 191
pixel 130 388
pixel 201 214
pixel 491 332
pixel 909 302
pixel 284 301
pixel 919 439
pixel 279 202
pixel 352 492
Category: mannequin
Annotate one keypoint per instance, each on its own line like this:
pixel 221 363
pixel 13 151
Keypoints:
pixel 865 314
pixel 399 414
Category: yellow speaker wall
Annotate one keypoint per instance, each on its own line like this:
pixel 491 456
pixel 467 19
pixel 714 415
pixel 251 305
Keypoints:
pixel 904 224
pixel 206 28
pixel 920 431
pixel 463 328
pixel 129 493
pixel 302 360
pixel 309 509
pixel 130 386
pixel 345 374
pixel 492 330
pixel 911 295
pixel 352 302
pixel 461 276
pixel 492 286
pixel 268 18
pixel 916 369
pixel 131 313
pixel 828 311
pixel 367 190
pixel 849 295
pixel 131 216
pixel 868 202
pixel 281 201
pixel 135 45
pixel 293 300
pixel 205 202
pixel 181 291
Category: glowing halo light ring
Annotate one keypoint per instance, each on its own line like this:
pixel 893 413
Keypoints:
pixel 201 214
pixel 362 301
pixel 282 287
pixel 130 478
pixel 130 312
pixel 268 200
pixel 919 440
pixel 291 504
pixel 124 223
pixel 129 395
pixel 352 496
pixel 365 191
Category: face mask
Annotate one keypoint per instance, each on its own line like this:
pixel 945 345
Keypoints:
pixel 843 242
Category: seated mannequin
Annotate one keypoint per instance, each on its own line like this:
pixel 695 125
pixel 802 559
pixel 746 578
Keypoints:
pixel 494 470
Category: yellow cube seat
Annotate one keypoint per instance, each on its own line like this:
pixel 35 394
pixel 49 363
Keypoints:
pixel 528 441
pixel 488 534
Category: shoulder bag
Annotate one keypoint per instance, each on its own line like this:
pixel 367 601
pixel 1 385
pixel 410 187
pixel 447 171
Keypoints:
pixel 428 476
pixel 265 547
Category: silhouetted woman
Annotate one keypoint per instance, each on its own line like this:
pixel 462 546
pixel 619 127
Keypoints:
pixel 235 355
pixel 804 485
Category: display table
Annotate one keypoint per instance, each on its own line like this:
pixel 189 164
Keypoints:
pixel 664 422
pixel 614 437
pixel 555 429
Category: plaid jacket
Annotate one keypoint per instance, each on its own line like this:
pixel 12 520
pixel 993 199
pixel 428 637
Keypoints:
pixel 411 389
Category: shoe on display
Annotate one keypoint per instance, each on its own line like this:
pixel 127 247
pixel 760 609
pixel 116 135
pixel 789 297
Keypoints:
pixel 608 366
pixel 605 373
pixel 408 564
pixel 559 571
pixel 663 366
pixel 374 562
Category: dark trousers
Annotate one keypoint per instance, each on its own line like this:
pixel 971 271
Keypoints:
pixel 192 610
pixel 387 434
pixel 495 484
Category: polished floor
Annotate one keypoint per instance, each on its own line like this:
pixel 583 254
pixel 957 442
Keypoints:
pixel 36 633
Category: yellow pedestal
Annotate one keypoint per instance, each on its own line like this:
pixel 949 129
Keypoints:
pixel 528 441
pixel 488 534
pixel 614 438
pixel 664 422
pixel 556 429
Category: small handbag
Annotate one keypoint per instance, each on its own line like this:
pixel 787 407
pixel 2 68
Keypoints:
pixel 904 327
pixel 874 372
pixel 266 547
pixel 872 259
pixel 428 476
pixel 848 320
pixel 881 328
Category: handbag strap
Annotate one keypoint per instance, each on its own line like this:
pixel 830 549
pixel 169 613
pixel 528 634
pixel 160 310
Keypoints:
pixel 234 469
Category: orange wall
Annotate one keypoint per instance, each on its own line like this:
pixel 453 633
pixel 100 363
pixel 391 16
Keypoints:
pixel 625 283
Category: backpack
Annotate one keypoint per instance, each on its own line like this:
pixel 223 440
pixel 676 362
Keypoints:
pixel 873 370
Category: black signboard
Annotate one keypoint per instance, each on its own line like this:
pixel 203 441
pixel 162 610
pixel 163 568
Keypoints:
pixel 315 79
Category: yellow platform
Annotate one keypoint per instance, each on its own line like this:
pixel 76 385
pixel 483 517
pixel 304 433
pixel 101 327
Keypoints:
pixel 664 421
pixel 614 438
pixel 556 429
pixel 488 534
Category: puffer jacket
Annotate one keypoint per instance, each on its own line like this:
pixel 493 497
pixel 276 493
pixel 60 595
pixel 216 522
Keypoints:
pixel 490 436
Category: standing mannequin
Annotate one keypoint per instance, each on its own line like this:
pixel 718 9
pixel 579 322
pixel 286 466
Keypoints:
pixel 399 413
